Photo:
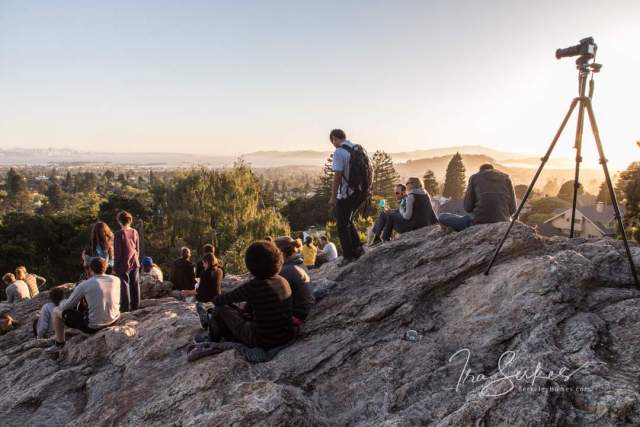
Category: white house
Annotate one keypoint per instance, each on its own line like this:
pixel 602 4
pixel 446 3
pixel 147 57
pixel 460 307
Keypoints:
pixel 591 221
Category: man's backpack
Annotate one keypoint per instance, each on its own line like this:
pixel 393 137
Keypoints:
pixel 360 173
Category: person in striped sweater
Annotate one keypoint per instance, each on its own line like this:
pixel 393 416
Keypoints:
pixel 266 320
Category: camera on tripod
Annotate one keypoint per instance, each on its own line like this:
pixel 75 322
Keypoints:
pixel 587 48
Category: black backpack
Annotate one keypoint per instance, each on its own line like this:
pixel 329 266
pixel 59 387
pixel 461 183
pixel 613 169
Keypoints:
pixel 360 173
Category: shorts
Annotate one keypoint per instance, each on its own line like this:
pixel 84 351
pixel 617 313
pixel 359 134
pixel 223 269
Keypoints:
pixel 77 320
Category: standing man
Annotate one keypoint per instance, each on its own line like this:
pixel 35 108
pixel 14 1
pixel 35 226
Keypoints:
pixel 349 192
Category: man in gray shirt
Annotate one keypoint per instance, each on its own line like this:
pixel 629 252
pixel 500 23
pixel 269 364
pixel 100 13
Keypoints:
pixel 341 198
pixel 102 294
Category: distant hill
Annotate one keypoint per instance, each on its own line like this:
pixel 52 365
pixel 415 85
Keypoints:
pixel 310 157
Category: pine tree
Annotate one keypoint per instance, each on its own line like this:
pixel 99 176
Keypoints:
pixel 325 181
pixel 18 197
pixel 55 197
pixel 431 185
pixel 603 194
pixel 68 182
pixel 385 176
pixel 454 183
pixel 16 184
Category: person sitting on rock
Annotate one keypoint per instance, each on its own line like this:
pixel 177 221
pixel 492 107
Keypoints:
pixel 183 275
pixel 384 217
pixel 327 252
pixel 43 324
pixel 101 292
pixel 33 281
pixel 489 198
pixel 17 290
pixel 206 249
pixel 209 287
pixel 417 211
pixel 269 298
pixel 150 270
pixel 309 252
pixel 293 270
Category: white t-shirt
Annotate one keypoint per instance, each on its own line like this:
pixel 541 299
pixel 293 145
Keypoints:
pixel 341 159
pixel 330 251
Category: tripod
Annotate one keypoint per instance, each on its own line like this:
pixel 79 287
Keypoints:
pixel 583 102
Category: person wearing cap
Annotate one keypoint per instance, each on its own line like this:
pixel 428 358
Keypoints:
pixel 293 269
pixel 149 269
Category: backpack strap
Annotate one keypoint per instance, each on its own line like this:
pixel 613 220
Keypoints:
pixel 348 149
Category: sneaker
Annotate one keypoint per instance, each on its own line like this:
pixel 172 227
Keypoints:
pixel 54 350
pixel 203 315
pixel 446 228
pixel 202 338
pixel 376 241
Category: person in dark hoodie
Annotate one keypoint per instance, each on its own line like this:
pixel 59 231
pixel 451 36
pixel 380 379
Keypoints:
pixel 269 297
pixel 183 275
pixel 206 249
pixel 294 271
pixel 489 198
pixel 416 212
pixel 210 285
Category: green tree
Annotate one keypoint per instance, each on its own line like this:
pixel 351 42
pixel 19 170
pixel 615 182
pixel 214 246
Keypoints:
pixel 454 183
pixel 431 185
pixel 55 198
pixel 385 176
pixel 603 194
pixel 18 197
pixel 628 186
pixel 566 191
pixel 325 181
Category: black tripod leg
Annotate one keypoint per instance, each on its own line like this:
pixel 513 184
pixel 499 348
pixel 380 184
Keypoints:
pixel 533 183
pixel 576 178
pixel 612 193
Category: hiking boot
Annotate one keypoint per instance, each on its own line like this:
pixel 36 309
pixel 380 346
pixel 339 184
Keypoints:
pixel 203 315
pixel 358 252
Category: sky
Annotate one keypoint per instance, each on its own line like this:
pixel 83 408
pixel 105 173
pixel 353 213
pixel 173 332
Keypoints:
pixel 231 77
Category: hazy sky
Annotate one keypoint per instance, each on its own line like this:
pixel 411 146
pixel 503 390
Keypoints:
pixel 236 76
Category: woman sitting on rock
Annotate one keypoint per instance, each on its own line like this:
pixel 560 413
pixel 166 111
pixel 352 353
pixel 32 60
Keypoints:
pixel 293 270
pixel 209 287
pixel 268 296
pixel 417 211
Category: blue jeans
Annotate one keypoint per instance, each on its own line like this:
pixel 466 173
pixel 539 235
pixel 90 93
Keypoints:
pixel 457 222
pixel 129 290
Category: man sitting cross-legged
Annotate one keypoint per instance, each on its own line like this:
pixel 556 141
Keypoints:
pixel 266 321
pixel 489 198
pixel 102 295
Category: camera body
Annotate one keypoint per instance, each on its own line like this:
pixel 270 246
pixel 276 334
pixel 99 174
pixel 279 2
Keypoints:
pixel 586 48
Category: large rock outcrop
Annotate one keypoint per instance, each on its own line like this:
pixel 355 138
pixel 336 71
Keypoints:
pixel 551 338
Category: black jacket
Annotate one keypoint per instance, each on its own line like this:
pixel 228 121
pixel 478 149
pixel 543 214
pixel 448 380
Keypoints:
pixel 210 285
pixel 490 197
pixel 302 292
pixel 183 275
